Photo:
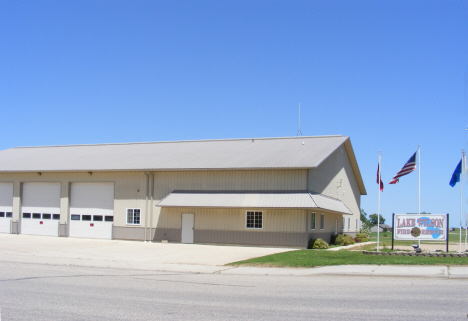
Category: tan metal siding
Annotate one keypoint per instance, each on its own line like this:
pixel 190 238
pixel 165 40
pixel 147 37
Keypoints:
pixel 235 219
pixel 166 182
pixel 243 237
pixel 335 178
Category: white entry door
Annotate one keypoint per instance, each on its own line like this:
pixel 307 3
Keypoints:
pixel 188 221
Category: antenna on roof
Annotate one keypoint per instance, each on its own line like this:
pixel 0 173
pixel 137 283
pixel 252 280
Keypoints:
pixel 299 133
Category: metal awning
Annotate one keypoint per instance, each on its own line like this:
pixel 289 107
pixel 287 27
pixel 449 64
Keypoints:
pixel 286 200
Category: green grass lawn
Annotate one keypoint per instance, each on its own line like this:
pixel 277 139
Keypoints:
pixel 385 240
pixel 311 258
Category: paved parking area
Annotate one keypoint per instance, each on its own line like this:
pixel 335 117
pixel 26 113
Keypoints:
pixel 124 254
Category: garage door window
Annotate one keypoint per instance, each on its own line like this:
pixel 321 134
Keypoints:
pixel 97 218
pixel 75 217
pixel 46 216
pixel 9 214
pixel 109 219
pixel 133 216
pixel 86 217
pixel 26 215
pixel 56 216
pixel 37 216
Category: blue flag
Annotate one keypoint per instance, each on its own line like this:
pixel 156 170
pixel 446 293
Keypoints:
pixel 456 175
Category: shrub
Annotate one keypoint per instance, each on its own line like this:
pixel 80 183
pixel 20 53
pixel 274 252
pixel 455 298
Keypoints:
pixel 357 240
pixel 366 230
pixel 344 240
pixel 320 244
pixel 362 236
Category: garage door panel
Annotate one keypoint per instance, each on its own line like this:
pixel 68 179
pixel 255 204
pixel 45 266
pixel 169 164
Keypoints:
pixel 5 225
pixel 6 197
pixel 97 230
pixel 51 210
pixel 41 203
pixel 91 210
pixel 92 195
pixel 40 227
pixel 41 195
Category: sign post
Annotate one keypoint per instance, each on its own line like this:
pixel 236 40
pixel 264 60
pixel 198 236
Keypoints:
pixel 393 227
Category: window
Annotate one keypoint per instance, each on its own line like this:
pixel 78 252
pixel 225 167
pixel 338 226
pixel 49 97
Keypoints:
pixel 349 223
pixel 133 216
pixel 86 217
pixel 109 219
pixel 356 224
pixel 46 216
pixel 26 215
pixel 254 219
pixel 312 222
pixel 97 218
pixel 322 221
pixel 2 214
pixel 9 214
pixel 75 217
pixel 56 216
pixel 344 223
pixel 37 215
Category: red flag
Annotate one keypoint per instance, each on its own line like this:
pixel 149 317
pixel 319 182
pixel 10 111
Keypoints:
pixel 379 179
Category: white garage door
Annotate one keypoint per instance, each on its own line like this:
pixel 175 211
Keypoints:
pixel 6 207
pixel 40 211
pixel 92 210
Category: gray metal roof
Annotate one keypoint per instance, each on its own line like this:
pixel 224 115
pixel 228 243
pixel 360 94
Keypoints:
pixel 256 153
pixel 295 152
pixel 287 200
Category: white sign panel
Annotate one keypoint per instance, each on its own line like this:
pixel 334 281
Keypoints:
pixel 420 227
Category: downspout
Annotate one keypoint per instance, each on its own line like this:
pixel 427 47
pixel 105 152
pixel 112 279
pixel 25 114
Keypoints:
pixel 151 205
pixel 146 209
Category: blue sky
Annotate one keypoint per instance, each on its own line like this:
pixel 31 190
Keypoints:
pixel 389 74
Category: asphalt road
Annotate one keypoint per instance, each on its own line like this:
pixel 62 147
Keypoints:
pixel 31 291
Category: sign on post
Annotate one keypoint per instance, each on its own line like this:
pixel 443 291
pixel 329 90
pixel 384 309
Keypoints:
pixel 423 227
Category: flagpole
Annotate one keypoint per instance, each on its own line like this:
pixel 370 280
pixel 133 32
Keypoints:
pixel 419 180
pixel 378 208
pixel 461 202
pixel 419 186
pixel 466 228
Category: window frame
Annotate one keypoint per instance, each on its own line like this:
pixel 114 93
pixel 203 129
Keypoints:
pixel 133 216
pixel 254 227
pixel 322 221
pixel 313 221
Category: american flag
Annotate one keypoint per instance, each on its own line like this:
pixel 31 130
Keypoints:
pixel 408 168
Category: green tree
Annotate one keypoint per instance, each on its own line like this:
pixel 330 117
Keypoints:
pixel 364 218
pixel 373 219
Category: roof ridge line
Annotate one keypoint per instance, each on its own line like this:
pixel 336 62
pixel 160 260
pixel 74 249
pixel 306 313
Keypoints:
pixel 180 141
